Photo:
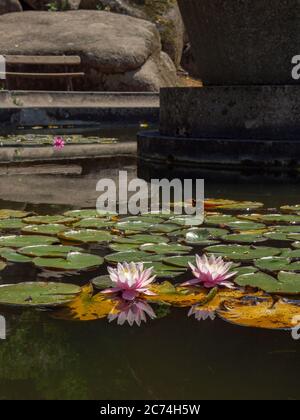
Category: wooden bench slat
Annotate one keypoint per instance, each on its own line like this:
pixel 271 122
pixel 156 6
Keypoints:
pixel 69 60
pixel 43 75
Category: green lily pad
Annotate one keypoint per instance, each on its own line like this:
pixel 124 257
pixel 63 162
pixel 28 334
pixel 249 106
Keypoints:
pixel 166 249
pixel 241 225
pixel 160 214
pixel 49 251
pixel 244 270
pixel 47 220
pixel 165 271
pixel 142 239
pixel 180 261
pixel 281 218
pixel 133 226
pixel 277 236
pixel 145 219
pixel 38 294
pixel 94 223
pixel 187 220
pixel 203 236
pixel 15 241
pixel 286 229
pixel 272 264
pixel 88 213
pixel 132 256
pixel 242 252
pixel 286 282
pixel 295 237
pixel 73 261
pixel 217 220
pixel 11 224
pixel 123 247
pixel 163 228
pixel 102 282
pixel 290 253
pixel 11 255
pixel 13 214
pixel 86 236
pixel 241 238
pixel 291 209
pixel 44 229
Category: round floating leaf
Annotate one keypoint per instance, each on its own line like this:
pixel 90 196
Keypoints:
pixel 219 220
pixel 180 261
pixel 132 256
pixel 142 239
pixel 94 223
pixel 281 218
pixel 13 214
pixel 102 282
pixel 292 254
pixel 162 215
pixel 287 282
pixel 241 238
pixel 277 236
pixel 11 255
pixel 49 251
pixel 144 219
pixel 38 294
pixel 261 314
pixel 163 228
pixel 187 220
pixel 166 249
pixel 88 213
pixel 242 252
pixel 294 237
pixel 164 271
pixel 86 236
pixel 244 270
pixel 123 247
pixel 291 209
pixel 231 205
pixel 272 264
pixel 44 229
pixel 73 261
pixel 241 225
pixel 15 241
pixel 133 226
pixel 11 224
pixel 46 220
pixel 203 236
pixel 286 229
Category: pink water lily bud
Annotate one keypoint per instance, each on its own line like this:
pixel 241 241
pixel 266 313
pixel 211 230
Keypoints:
pixel 211 272
pixel 130 280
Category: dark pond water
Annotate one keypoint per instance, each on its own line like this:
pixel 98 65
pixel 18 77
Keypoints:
pixel 174 357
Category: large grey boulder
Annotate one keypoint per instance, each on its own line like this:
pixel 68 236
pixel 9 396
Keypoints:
pixel 118 52
pixel 9 6
pixel 164 14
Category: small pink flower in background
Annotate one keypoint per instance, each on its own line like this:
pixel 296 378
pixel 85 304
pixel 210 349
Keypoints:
pixel 201 315
pixel 130 280
pixel 58 143
pixel 211 272
pixel 132 312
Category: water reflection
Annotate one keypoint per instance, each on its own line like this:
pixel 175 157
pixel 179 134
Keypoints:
pixel 132 312
pixel 200 314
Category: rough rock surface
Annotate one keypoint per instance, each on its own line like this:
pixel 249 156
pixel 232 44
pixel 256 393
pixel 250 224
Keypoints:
pixel 164 13
pixel 8 6
pixel 53 4
pixel 118 52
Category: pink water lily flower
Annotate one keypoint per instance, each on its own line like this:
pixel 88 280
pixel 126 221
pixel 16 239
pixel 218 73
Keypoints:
pixel 58 143
pixel 131 280
pixel 131 312
pixel 211 272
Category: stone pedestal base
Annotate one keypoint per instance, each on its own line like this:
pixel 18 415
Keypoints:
pixel 232 125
